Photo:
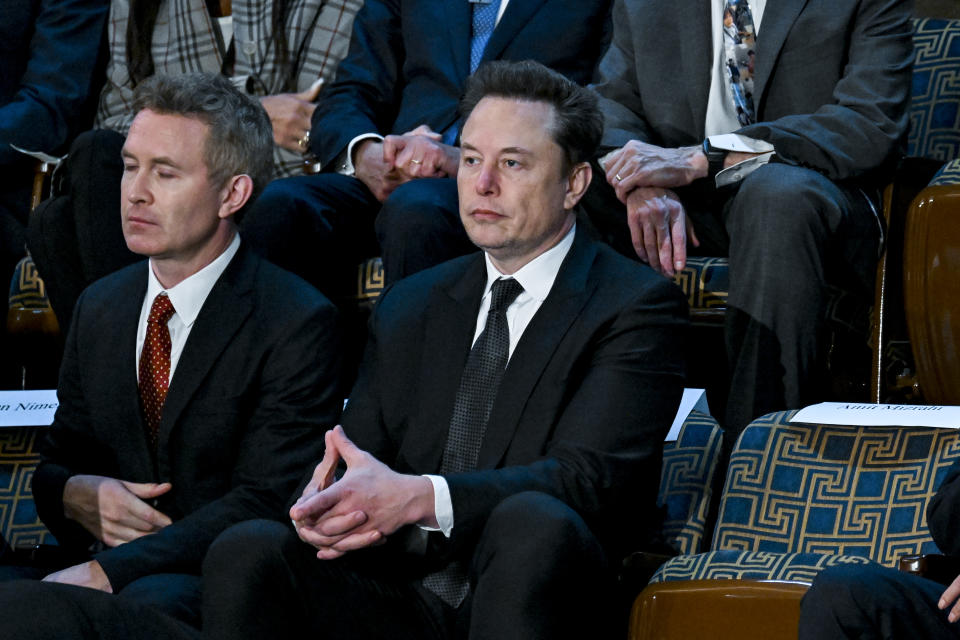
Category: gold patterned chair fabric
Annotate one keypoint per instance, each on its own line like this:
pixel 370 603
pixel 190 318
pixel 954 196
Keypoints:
pixel 801 497
pixel 19 524
pixel 686 481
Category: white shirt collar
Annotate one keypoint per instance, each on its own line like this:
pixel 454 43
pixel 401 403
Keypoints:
pixel 189 295
pixel 537 276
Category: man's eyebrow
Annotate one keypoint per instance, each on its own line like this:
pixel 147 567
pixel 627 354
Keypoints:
pixel 164 160
pixel 514 150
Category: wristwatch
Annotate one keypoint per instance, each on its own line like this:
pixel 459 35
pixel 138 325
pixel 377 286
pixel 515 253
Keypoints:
pixel 715 158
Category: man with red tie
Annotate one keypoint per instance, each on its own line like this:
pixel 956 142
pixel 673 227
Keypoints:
pixel 195 386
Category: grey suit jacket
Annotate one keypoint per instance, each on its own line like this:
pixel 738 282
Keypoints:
pixel 832 79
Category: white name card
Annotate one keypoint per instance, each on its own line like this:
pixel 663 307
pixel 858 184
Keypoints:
pixel 692 400
pixel 27 408
pixel 880 415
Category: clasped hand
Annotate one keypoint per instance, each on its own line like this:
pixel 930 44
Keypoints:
pixel 641 175
pixel 368 503
pixel 383 166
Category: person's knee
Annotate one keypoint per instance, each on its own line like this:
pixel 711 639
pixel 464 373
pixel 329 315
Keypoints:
pixel 246 548
pixel 844 588
pixel 527 524
pixel 417 208
pixel 783 204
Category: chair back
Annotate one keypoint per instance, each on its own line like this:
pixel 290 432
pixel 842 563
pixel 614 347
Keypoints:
pixel 19 524
pixel 826 489
pixel 686 481
pixel 935 95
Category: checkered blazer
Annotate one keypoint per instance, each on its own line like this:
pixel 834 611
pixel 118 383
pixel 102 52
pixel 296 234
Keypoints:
pixel 187 39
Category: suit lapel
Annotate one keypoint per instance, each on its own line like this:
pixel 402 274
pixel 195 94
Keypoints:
pixel 458 25
pixel 778 18
pixel 696 57
pixel 123 377
pixel 222 314
pixel 450 322
pixel 540 340
pixel 515 17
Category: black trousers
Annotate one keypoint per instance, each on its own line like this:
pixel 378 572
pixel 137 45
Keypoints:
pixel 868 602
pixel 160 606
pixel 787 231
pixel 536 572
pixel 321 226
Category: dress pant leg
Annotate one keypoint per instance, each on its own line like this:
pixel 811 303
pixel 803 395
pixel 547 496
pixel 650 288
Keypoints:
pixel 318 226
pixel 262 581
pixel 419 227
pixel 869 602
pixel 34 610
pixel 175 594
pixel 784 223
pixel 539 572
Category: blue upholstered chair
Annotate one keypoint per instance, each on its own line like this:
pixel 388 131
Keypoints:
pixel 19 524
pixel 686 481
pixel 802 497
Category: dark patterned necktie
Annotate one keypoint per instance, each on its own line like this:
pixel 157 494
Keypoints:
pixel 155 365
pixel 478 389
pixel 483 23
pixel 739 44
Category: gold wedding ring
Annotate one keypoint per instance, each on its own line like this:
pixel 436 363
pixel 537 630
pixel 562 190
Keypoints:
pixel 618 177
pixel 304 142
pixel 416 161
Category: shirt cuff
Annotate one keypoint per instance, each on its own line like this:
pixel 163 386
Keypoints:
pixel 345 161
pixel 442 506
pixel 741 144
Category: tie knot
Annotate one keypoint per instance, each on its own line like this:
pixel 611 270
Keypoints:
pixel 504 292
pixel 161 310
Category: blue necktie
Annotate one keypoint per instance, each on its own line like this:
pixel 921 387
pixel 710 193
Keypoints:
pixel 484 21
pixel 739 44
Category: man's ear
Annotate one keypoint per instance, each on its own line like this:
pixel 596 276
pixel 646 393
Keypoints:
pixel 578 181
pixel 235 194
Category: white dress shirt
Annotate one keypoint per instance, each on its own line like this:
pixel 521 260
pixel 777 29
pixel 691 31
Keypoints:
pixel 187 298
pixel 537 278
pixel 721 114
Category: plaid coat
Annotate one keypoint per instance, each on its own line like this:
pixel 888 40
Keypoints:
pixel 186 39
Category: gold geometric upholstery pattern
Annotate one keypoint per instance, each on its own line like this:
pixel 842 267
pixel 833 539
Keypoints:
pixel 727 564
pixel 369 281
pixel 833 489
pixel 799 497
pixel 686 481
pixel 19 524
pixel 26 288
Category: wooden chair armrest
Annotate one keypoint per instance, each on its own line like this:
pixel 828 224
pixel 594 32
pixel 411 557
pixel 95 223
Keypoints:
pixel 933 566
pixel 718 609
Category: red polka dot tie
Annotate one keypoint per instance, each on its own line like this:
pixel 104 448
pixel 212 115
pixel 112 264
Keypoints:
pixel 155 365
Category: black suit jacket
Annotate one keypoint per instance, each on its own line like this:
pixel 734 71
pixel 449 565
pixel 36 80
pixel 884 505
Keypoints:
pixel 409 61
pixel 253 391
pixel 831 86
pixel 943 513
pixel 583 407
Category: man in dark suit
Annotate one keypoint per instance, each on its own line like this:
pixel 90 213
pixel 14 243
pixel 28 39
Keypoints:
pixel 870 601
pixel 542 455
pixel 402 78
pixel 195 386
pixel 816 93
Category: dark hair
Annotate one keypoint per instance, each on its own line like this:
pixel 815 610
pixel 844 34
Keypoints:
pixel 577 124
pixel 241 137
